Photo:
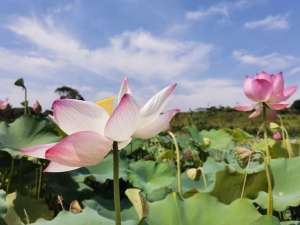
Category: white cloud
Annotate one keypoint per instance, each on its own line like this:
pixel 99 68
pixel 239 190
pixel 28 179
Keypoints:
pixel 295 71
pixel 220 9
pixel 15 62
pixel 278 22
pixel 138 53
pixel 273 61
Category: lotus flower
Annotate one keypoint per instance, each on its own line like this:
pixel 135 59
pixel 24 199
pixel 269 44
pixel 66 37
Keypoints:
pixel 92 128
pixel 4 104
pixel 266 89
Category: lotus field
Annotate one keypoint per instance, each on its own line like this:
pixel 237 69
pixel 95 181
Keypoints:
pixel 119 161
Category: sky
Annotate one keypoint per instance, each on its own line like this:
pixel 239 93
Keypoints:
pixel 207 47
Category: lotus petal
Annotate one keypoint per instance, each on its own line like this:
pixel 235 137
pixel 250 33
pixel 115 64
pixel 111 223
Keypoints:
pixel 76 115
pixel 124 120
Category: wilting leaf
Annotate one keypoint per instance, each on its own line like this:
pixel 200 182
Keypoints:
pixel 138 201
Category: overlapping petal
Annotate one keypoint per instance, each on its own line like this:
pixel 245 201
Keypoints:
pixel 257 111
pixel 278 106
pixel 288 92
pixel 54 167
pixel 76 115
pixel 124 89
pixel 161 123
pixel 264 76
pixel 124 120
pixel 80 149
pixel 244 107
pixel 155 104
pixel 258 90
pixel 38 151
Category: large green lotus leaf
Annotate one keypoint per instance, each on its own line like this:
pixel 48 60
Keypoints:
pixel 229 183
pixel 35 209
pixel 104 170
pixel 219 139
pixel 105 208
pixel 155 179
pixel 267 220
pixel 135 145
pixel 226 182
pixel 3 208
pixel 206 182
pixel 286 184
pixel 87 217
pixel 69 185
pixel 290 223
pixel 200 209
pixel 26 132
pixel 239 136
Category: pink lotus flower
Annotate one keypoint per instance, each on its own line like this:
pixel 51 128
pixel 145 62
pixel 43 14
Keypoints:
pixel 92 129
pixel 4 104
pixel 277 136
pixel 267 89
pixel 36 106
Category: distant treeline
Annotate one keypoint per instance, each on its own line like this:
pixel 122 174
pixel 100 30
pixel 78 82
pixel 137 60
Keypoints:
pixel 226 117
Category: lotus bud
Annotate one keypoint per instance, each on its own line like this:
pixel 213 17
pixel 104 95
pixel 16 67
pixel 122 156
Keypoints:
pixel 4 104
pixel 187 154
pixel 206 141
pixel 243 152
pixel 277 136
pixel 36 106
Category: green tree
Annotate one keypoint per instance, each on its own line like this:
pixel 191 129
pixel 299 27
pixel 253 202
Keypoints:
pixel 68 92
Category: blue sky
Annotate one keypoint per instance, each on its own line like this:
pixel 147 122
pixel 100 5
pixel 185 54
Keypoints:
pixel 207 47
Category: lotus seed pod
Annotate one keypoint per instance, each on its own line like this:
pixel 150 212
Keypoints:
pixel 75 207
pixel 243 152
pixel 206 141
pixel 193 173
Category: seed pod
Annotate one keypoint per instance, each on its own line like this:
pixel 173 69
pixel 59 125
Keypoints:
pixel 242 152
pixel 75 207
pixel 193 173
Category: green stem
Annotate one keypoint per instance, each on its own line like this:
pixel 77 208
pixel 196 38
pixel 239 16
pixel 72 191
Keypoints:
pixel 245 177
pixel 116 184
pixel 11 172
pixel 267 164
pixel 26 108
pixel 179 182
pixel 40 176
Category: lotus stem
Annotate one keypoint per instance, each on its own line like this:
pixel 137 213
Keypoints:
pixel 286 139
pixel 179 182
pixel 11 173
pixel 39 186
pixel 26 108
pixel 116 184
pixel 267 159
pixel 203 177
pixel 245 177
